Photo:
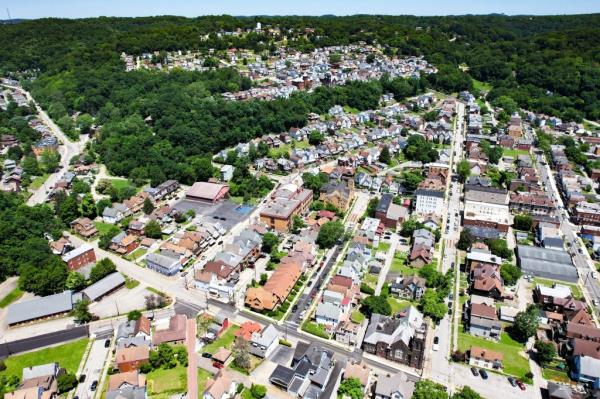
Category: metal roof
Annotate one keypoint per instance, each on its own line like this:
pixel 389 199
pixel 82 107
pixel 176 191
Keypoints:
pixel 104 286
pixel 40 307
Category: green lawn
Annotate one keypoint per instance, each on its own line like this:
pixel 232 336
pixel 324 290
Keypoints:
pixel 11 297
pixel 514 363
pixel 384 246
pixel 315 329
pixel 513 152
pixel 162 383
pixel 555 375
pixel 67 355
pixel 370 279
pixel 103 227
pixel 120 184
pixel 38 181
pixel 397 304
pixel 283 149
pixel 357 317
pixel 203 377
pixel 224 341
pixel 301 145
pixel 575 289
pixel 399 265
pixel 483 86
pixel 136 254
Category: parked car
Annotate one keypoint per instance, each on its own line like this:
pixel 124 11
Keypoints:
pixel 218 365
pixel 521 385
pixel 475 371
pixel 483 374
pixel 206 355
pixel 294 308
pixel 436 343
pixel 512 381
pixel 94 386
pixel 81 378
pixel 107 343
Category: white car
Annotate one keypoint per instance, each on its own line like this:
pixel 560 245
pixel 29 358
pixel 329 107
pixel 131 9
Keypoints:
pixel 436 343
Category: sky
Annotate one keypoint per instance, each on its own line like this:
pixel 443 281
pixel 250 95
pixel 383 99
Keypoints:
pixel 31 9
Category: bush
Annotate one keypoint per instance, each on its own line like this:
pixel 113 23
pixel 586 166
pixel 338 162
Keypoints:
pixel 66 382
pixel 366 289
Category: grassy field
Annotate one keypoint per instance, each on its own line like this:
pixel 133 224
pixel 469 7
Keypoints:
pixel 11 297
pixel 399 265
pixel 203 377
pixel 575 289
pixel 38 181
pixel 102 227
pixel 67 355
pixel 384 246
pixel 514 363
pixel 120 184
pixel 513 152
pixel 162 383
pixel 357 317
pixel 224 341
pixel 555 375
pixel 370 279
pixel 315 329
pixel 397 304
pixel 483 86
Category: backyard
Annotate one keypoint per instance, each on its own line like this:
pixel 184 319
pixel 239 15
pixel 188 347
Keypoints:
pixel 224 341
pixel 397 304
pixel 514 362
pixel 203 377
pixel 399 265
pixel 68 356
pixel 103 227
pixel 38 181
pixel 357 317
pixel 163 383
pixel 507 152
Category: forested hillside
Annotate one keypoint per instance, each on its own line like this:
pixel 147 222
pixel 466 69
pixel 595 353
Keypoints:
pixel 547 64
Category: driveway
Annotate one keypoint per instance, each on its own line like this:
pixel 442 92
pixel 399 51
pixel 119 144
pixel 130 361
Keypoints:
pixel 93 369
pixel 121 302
pixel 282 355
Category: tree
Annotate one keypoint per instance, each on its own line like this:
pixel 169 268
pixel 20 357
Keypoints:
pixel 107 236
pixel 49 160
pixel 411 180
pixel 102 204
pixel 68 209
pixel 65 382
pixel 134 315
pixel 297 224
pixel 330 233
pixel 316 137
pixel 384 155
pixel 499 248
pixel 81 312
pixel 372 207
pixel 466 240
pixel 466 393
pixel 102 269
pixel 523 222
pixel 463 169
pixel 88 206
pixel 153 229
pixel 510 273
pixel 75 281
pixel 409 227
pixel 45 278
pixel 525 324
pixel 204 322
pixel 427 389
pixel 431 305
pixel 154 301
pixel 430 116
pixel 80 187
pixel 376 304
pixel 84 123
pixel 269 242
pixel 241 353
pixel 546 352
pixel 351 387
pixel 148 206
pixel 263 278
pixel 258 391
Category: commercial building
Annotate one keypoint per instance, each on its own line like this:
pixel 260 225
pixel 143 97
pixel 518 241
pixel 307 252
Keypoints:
pixel 40 308
pixel 207 192
pixel 285 203
pixel 79 257
pixel 547 263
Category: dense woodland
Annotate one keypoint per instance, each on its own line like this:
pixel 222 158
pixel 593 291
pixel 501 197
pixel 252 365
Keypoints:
pixel 546 64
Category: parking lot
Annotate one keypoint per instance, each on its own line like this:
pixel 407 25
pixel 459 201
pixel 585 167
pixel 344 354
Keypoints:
pixel 227 213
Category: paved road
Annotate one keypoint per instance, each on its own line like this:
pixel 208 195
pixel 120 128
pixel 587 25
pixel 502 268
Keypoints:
pixel 93 368
pixel 67 150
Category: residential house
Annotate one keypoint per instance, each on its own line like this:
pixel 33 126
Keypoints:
pixel 309 372
pixel 339 193
pixel 360 371
pixel 221 386
pixel 485 358
pixel 486 280
pixel 430 197
pixel 400 338
pixel 483 321
pixel 128 385
pixel 174 333
pixel 84 227
pixel 347 333
pixel 131 358
pixel 123 243
pixel 262 343
pixel 276 289
pixel 79 257
pixel 397 386
pixel 411 288
pixel 586 370
pixel 134 333
pixel 163 263
pixel 390 214
pixel 287 202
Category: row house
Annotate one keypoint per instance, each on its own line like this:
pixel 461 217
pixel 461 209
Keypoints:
pixel 536 204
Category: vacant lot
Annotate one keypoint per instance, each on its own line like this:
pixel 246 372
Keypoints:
pixel 67 355
pixel 162 383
